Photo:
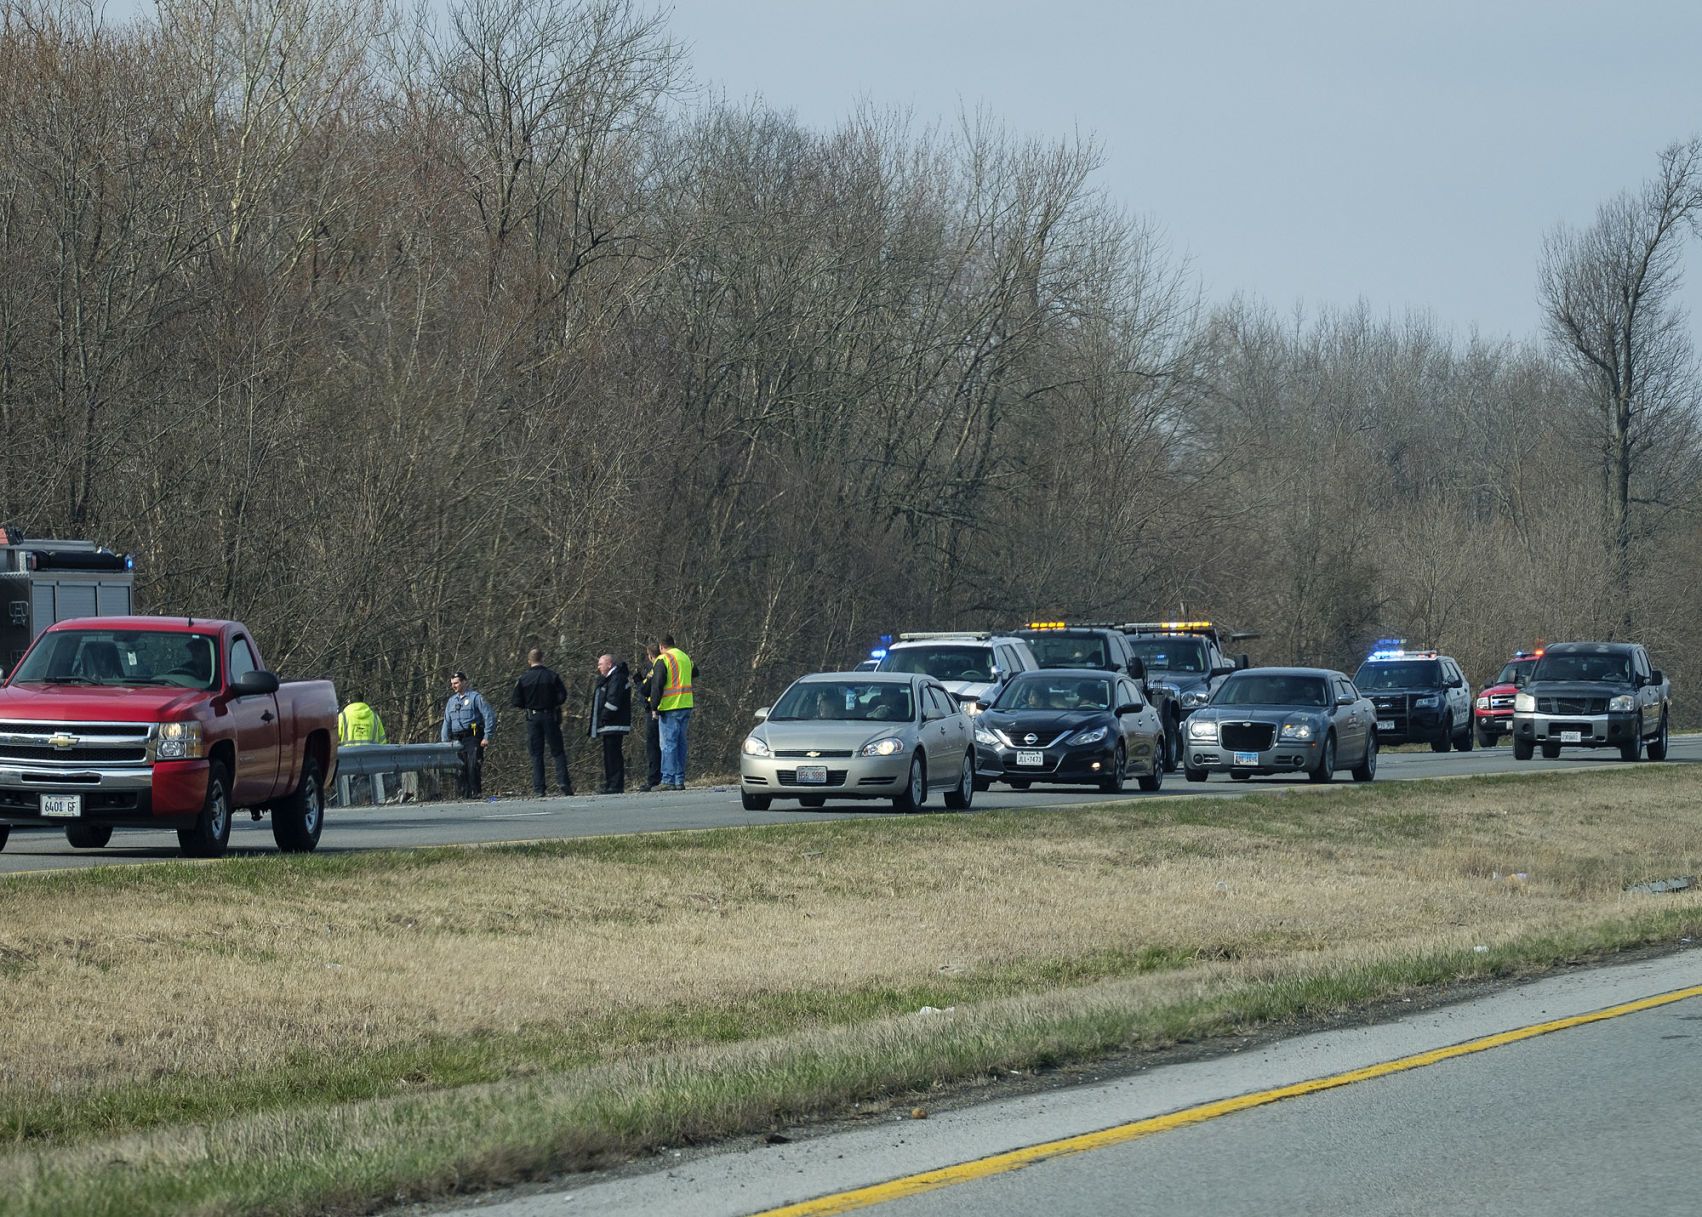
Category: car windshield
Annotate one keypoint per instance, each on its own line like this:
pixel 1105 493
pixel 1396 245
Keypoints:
pixel 1399 674
pixel 1041 692
pixel 121 657
pixel 1067 651
pixel 1268 689
pixel 1515 670
pixel 1170 654
pixel 942 662
pixel 846 701
pixel 1573 666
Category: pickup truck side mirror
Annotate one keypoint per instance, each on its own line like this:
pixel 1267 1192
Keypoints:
pixel 1242 662
pixel 1216 672
pixel 252 684
pixel 1655 677
pixel 1137 668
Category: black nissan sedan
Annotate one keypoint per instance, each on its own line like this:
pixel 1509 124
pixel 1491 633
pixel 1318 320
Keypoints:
pixel 1074 725
pixel 1283 720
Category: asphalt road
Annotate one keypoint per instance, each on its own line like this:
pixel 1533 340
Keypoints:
pixel 402 826
pixel 1571 1114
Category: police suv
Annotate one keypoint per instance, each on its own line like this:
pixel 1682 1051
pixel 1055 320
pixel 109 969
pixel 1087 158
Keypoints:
pixel 1419 696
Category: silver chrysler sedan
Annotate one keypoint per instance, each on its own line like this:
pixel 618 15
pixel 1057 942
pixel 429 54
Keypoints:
pixel 860 735
pixel 1283 720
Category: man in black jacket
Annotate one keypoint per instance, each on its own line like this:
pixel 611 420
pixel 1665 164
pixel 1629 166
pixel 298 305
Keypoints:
pixel 611 719
pixel 653 686
pixel 540 693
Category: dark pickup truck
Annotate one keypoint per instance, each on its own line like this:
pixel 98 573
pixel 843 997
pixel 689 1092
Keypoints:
pixel 162 722
pixel 1593 695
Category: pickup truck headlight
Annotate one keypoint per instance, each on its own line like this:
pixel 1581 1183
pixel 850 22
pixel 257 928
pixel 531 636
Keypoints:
pixel 890 746
pixel 1623 702
pixel 755 747
pixel 1524 703
pixel 178 742
pixel 1482 703
pixel 1204 730
pixel 1090 736
pixel 1193 699
pixel 1292 731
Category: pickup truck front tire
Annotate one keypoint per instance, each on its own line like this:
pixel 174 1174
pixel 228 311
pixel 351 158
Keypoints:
pixel 298 820
pixel 211 834
pixel 88 836
pixel 1658 745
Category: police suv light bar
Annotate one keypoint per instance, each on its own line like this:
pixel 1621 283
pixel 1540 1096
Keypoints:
pixel 963 635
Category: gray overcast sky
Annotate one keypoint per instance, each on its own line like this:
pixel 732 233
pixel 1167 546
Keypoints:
pixel 1299 151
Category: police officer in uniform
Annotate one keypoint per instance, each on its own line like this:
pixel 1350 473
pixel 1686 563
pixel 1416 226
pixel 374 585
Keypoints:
pixel 540 693
pixel 468 720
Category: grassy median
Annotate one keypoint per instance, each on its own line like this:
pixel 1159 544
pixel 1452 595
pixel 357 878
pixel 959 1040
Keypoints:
pixel 333 1033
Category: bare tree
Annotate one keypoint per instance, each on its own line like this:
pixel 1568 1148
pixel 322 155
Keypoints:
pixel 1608 294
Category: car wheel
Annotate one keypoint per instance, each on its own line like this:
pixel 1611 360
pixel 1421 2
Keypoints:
pixel 1018 783
pixel 211 834
pixel 1521 749
pixel 1550 751
pixel 812 800
pixel 1446 740
pixel 1366 770
pixel 1658 745
pixel 1463 741
pixel 88 836
pixel 1326 770
pixel 298 820
pixel 963 794
pixel 1155 779
pixel 1112 783
pixel 1632 749
pixel 1172 746
pixel 755 802
pixel 1485 739
pixel 915 788
pixel 5 833
pixel 1194 775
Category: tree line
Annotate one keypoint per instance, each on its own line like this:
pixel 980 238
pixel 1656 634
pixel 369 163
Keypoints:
pixel 415 341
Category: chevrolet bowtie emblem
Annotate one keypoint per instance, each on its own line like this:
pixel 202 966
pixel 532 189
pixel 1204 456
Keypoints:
pixel 63 741
pixel 812 754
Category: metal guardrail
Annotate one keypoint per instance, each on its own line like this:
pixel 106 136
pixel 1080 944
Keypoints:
pixel 396 758
pixel 379 761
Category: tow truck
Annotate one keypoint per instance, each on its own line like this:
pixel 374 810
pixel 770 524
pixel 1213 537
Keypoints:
pixel 1492 711
pixel 1186 660
pixel 43 582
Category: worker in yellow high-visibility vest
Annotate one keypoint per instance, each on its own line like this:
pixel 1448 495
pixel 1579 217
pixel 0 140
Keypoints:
pixel 359 724
pixel 670 683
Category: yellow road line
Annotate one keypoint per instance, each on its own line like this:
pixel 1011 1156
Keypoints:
pixel 998 1164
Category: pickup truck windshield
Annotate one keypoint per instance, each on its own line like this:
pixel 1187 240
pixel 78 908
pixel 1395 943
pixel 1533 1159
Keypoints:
pixel 1066 651
pixel 1584 667
pixel 121 658
pixel 1170 654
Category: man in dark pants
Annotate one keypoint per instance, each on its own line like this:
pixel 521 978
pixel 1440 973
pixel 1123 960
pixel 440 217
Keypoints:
pixel 540 693
pixel 653 686
pixel 469 721
pixel 611 720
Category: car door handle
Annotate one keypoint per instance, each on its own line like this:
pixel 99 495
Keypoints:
pixel 266 717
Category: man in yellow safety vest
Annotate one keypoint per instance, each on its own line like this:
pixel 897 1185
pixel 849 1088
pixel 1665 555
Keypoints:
pixel 670 682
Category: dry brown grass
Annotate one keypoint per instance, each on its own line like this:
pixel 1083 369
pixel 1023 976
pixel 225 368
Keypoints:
pixel 115 979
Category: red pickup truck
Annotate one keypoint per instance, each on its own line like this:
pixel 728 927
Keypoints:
pixel 161 722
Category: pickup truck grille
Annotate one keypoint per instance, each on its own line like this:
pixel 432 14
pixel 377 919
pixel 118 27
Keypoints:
pixel 62 745
pixel 1571 705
